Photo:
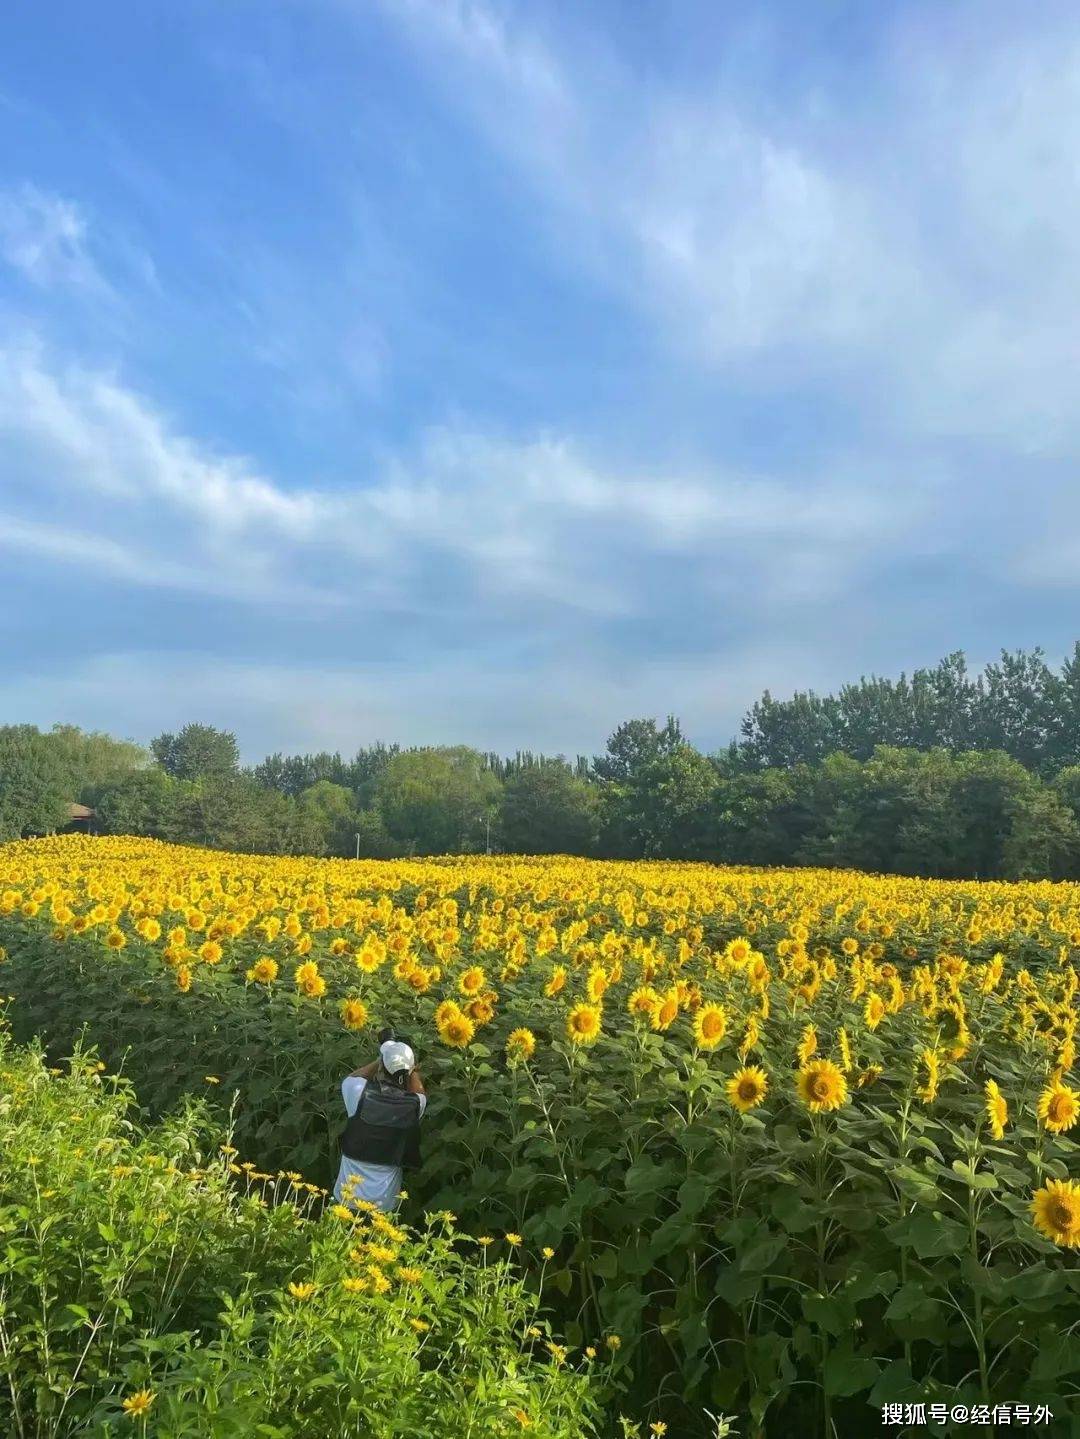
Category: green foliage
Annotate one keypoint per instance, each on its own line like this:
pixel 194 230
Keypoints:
pixel 330 810
pixel 93 760
pixel 150 1261
pixel 941 774
pixel 437 801
pixel 1018 705
pixel 548 809
pixel 760 1263
pixel 143 803
pixel 35 783
pixel 197 752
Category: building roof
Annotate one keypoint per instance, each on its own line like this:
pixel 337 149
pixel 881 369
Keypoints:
pixel 80 811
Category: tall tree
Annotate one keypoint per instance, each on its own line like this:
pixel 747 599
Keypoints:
pixel 198 751
pixel 548 809
pixel 35 786
pixel 634 744
pixel 438 801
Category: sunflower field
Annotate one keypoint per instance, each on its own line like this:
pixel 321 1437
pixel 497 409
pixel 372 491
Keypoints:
pixel 789 1145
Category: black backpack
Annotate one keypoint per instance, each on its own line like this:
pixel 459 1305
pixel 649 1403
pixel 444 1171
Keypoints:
pixel 385 1128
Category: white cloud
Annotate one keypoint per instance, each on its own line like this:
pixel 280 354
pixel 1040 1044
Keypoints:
pixel 45 237
pixel 93 473
pixel 918 253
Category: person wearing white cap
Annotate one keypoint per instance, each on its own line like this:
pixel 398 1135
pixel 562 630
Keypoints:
pixel 384 1102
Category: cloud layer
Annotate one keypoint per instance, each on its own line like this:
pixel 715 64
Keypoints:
pixel 585 372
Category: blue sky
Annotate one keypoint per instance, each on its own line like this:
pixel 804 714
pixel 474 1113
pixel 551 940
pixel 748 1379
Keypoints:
pixel 457 371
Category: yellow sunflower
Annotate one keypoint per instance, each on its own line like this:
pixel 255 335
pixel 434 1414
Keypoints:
pixel 747 1088
pixel 472 981
pixel 807 1044
pixel 1055 1212
pixel 874 1012
pixel 822 1086
pixel 710 1025
pixel 446 1010
pixel 667 1011
pixel 354 1013
pixel 583 1024
pixel 521 1044
pixel 997 1111
pixel 457 1031
pixel 643 1001
pixel 1059 1107
pixel 557 980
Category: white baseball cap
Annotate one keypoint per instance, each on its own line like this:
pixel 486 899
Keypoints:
pixel 396 1056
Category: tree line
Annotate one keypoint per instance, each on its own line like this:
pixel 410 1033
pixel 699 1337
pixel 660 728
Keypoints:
pixel 944 774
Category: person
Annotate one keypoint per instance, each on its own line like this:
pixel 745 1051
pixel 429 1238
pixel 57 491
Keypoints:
pixel 384 1102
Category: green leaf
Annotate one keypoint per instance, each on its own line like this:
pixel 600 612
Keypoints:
pixel 1036 1282
pixel 846 1373
pixel 605 1264
pixel 562 1280
pixel 910 1302
pixel 791 1210
pixel 828 1312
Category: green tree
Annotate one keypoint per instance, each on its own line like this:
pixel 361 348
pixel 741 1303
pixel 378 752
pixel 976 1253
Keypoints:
pixel 143 803
pixel 332 813
pixel 547 809
pixel 665 808
pixel 198 751
pixel 35 793
pixel 437 801
pixel 93 760
pixel 634 744
pixel 236 812
pixel 763 817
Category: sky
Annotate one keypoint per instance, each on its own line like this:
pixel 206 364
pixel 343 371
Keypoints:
pixel 456 371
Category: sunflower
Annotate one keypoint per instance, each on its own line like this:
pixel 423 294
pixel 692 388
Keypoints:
pixel 844 1046
pixel 1055 1212
pixel 666 1013
pixel 521 1044
pixel 821 1086
pixel 931 1062
pixel 807 1044
pixel 556 982
pixel 643 1001
pixel 368 959
pixel 263 971
pixel 354 1013
pixel 738 951
pixel 751 1035
pixel 747 1088
pixel 480 1010
pixel 472 981
pixel 596 983
pixel 874 1012
pixel 1059 1107
pixel 710 1025
pixel 997 1111
pixel 583 1024
pixel 446 1010
pixel 457 1031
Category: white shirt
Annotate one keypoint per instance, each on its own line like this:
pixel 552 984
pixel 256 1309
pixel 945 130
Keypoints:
pixel 378 1183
